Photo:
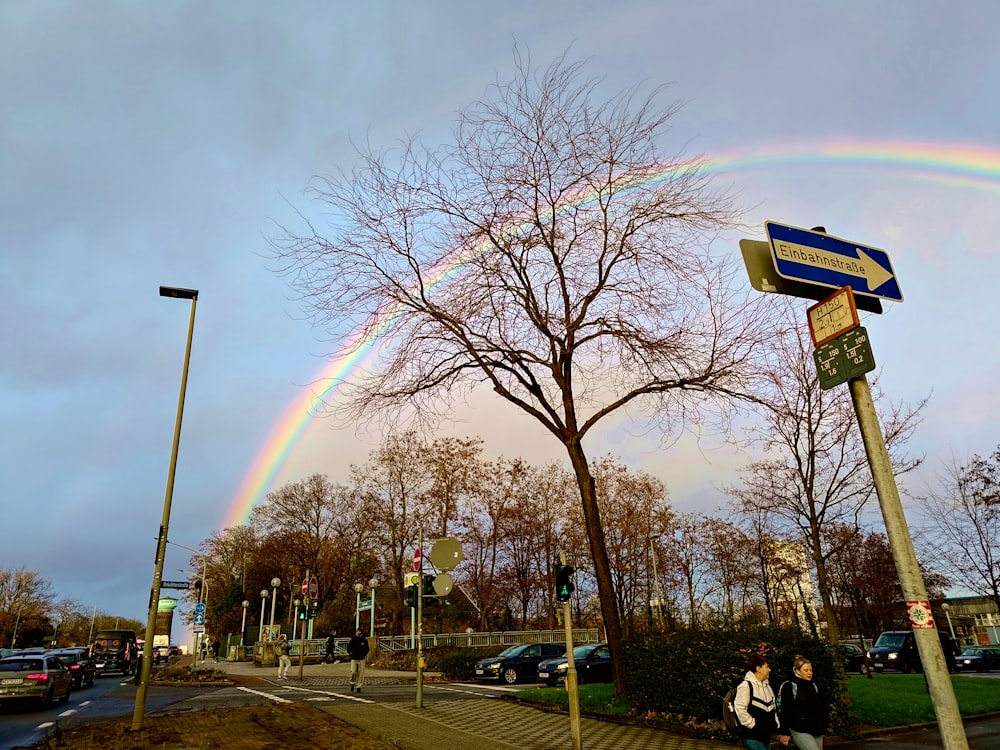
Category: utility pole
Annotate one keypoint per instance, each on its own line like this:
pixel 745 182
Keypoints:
pixel 572 684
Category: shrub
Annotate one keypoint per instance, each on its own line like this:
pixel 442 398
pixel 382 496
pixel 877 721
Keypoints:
pixel 459 664
pixel 688 671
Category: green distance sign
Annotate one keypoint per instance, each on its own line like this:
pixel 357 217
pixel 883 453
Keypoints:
pixel 845 357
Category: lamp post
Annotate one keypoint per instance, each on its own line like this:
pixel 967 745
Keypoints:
pixel 260 628
pixel 358 588
pixel 295 623
pixel 275 582
pixel 161 542
pixel 947 607
pixel 656 583
pixel 372 584
pixel 243 624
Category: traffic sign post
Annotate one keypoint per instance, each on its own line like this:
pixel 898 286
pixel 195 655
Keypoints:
pixel 417 559
pixel 180 585
pixel 822 259
pixel 843 358
pixel 833 316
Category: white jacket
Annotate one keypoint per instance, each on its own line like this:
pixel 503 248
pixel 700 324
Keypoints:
pixel 753 690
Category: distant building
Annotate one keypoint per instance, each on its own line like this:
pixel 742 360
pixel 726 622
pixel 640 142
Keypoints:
pixel 790 586
pixel 974 619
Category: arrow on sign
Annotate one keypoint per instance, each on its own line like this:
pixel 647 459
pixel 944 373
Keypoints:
pixel 864 267
pixel 814 257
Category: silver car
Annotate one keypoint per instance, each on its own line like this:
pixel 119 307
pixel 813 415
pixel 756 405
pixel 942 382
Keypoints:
pixel 34 677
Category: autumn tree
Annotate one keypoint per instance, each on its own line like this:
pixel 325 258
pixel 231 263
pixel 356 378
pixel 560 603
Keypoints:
pixel 963 514
pixel 548 252
pixel 816 471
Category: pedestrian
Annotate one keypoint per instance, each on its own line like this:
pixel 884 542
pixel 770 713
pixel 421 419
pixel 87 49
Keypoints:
pixel 215 648
pixel 204 649
pixel 331 647
pixel 357 649
pixel 756 708
pixel 284 662
pixel 804 711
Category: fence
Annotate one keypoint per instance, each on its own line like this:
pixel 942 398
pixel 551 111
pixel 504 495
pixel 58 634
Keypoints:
pixel 315 648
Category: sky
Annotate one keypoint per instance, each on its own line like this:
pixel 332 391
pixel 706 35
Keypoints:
pixel 149 144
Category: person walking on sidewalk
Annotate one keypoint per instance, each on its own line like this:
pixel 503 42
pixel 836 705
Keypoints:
pixel 756 708
pixel 803 709
pixel 284 662
pixel 331 648
pixel 357 649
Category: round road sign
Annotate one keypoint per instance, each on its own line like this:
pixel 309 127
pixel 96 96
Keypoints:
pixel 416 559
pixel 313 588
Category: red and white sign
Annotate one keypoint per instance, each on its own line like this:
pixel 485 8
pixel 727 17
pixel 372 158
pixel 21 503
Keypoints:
pixel 305 585
pixel 920 614
pixel 416 560
pixel 313 588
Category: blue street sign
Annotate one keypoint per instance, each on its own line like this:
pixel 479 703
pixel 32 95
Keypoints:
pixel 199 608
pixel 822 259
pixel 199 619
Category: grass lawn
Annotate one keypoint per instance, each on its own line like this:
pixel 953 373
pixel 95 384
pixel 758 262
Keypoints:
pixel 889 700
pixel 892 700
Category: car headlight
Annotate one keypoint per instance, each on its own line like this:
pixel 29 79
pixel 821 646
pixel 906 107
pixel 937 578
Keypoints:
pixel 561 667
pixel 893 655
pixel 494 665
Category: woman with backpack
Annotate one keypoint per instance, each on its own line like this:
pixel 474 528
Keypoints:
pixel 756 708
pixel 802 710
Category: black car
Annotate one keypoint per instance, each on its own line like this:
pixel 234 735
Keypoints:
pixel 978 659
pixel 592 662
pixel 517 662
pixel 855 658
pixel 79 664
pixel 895 649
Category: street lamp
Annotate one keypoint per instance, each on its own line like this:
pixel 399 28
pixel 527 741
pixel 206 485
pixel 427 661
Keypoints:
pixel 275 582
pixel 358 588
pixel 263 600
pixel 243 625
pixel 161 542
pixel 656 582
pixel 295 622
pixel 946 607
pixel 372 584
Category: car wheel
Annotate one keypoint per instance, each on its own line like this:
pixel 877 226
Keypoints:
pixel 46 700
pixel 510 675
pixel 906 668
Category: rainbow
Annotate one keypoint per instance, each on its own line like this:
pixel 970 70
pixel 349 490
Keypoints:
pixel 959 165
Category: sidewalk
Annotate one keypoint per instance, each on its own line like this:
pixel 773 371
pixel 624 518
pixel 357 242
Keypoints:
pixel 465 724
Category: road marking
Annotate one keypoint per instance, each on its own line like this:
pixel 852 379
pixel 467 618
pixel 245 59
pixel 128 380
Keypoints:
pixel 501 688
pixel 455 690
pixel 45 725
pixel 275 698
pixel 68 712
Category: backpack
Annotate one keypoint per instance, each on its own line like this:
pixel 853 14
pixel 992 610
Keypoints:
pixel 729 718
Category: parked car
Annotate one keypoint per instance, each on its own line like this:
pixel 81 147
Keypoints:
pixel 38 677
pixel 517 662
pixel 855 658
pixel 592 662
pixel 81 667
pixel 895 649
pixel 978 659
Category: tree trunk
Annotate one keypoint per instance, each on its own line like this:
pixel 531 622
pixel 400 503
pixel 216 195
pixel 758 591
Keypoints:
pixel 602 564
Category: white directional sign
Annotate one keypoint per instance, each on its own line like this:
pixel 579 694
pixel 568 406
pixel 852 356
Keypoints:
pixel 819 258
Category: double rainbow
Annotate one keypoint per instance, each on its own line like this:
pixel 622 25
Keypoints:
pixel 949 164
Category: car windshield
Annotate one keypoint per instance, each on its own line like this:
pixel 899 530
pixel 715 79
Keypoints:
pixel 972 652
pixel 68 658
pixel 582 652
pixel 512 651
pixel 890 640
pixel 20 665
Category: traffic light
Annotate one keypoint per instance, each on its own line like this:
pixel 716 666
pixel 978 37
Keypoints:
pixel 304 613
pixel 411 596
pixel 564 582
pixel 429 598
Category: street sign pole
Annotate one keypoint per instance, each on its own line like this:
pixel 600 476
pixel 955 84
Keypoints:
pixel 302 633
pixel 572 686
pixel 418 566
pixel 914 593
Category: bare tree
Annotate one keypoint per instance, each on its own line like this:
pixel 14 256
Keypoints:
pixel 817 472
pixel 550 253
pixel 964 516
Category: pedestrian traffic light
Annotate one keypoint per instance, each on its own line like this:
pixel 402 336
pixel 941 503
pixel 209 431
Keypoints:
pixel 411 596
pixel 304 613
pixel 429 597
pixel 564 582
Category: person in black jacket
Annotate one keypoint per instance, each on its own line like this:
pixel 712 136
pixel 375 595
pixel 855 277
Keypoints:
pixel 804 711
pixel 357 649
pixel 331 648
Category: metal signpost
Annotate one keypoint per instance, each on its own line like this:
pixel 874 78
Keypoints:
pixel 843 354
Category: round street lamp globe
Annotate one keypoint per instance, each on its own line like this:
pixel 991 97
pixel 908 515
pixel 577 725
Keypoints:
pixel 245 604
pixel 263 593
pixel 359 587
pixel 373 583
pixel 275 582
